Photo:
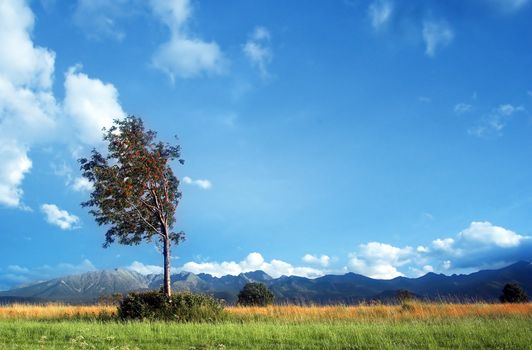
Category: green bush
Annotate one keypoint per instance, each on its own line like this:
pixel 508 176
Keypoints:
pixel 255 294
pixel 180 307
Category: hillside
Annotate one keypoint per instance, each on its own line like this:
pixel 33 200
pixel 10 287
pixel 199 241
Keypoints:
pixel 349 288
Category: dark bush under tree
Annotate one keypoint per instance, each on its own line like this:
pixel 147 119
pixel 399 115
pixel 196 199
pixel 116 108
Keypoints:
pixel 255 294
pixel 513 293
pixel 180 307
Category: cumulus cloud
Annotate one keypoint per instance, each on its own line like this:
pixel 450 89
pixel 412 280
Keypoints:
pixel 379 260
pixel 183 56
pixel 15 165
pixel 60 218
pixel 322 260
pixel 27 106
pixel 485 233
pixel 258 50
pixel 436 34
pixel 145 269
pixel 254 261
pixel 91 104
pixel 201 183
pixel 380 13
pixel 29 113
pixel 481 245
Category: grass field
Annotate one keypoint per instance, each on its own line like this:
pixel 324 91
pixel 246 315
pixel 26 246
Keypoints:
pixel 415 326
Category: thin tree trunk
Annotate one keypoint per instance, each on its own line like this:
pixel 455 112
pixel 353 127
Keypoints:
pixel 166 252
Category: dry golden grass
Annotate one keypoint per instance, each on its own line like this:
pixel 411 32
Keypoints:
pixel 55 311
pixel 410 310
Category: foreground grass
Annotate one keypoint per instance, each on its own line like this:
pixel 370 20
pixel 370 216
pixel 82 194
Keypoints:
pixel 463 333
pixel 408 326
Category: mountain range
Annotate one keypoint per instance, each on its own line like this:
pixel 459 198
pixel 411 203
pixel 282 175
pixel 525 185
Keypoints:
pixel 485 285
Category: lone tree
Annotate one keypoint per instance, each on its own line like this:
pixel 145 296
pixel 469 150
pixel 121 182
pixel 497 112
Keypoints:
pixel 135 190
pixel 255 294
pixel 513 293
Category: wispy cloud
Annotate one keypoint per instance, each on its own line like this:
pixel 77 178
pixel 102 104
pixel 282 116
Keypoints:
pixel 183 56
pixel 380 12
pixel 16 275
pixel 493 123
pixel 99 18
pixel 462 108
pixel 437 35
pixel 509 6
pixel 258 50
pixel 60 218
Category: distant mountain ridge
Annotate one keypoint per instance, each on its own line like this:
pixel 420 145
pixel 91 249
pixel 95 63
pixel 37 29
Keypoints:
pixel 485 285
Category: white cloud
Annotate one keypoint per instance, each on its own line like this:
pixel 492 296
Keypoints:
pixel 380 12
pixel 183 56
pixel 91 104
pixel 145 269
pixel 445 244
pixel 58 217
pixel 29 114
pixel 98 18
pixel 254 261
pixel 436 34
pixel 422 249
pixel 486 233
pixel 495 121
pixel 379 260
pixel 462 108
pixel 15 164
pixel 21 62
pixel 203 184
pixel 27 105
pixel 82 184
pixel 322 260
pixel 258 51
pixel 508 109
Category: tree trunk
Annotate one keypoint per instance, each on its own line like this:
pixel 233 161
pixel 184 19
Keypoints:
pixel 166 252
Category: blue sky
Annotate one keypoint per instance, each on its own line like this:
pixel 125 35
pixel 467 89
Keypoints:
pixel 382 137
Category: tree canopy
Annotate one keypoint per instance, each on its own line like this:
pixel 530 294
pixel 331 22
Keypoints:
pixel 135 193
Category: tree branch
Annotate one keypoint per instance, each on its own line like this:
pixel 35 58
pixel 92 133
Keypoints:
pixel 145 221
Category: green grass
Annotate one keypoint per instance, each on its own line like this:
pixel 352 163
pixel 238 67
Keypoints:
pixel 464 333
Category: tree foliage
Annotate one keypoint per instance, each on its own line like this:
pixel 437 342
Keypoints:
pixel 255 294
pixel 135 191
pixel 513 293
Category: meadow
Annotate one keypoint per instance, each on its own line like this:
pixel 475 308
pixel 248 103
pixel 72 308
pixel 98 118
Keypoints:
pixel 407 326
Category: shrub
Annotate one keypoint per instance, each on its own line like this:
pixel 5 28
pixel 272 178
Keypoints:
pixel 513 293
pixel 255 294
pixel 180 307
pixel 403 295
